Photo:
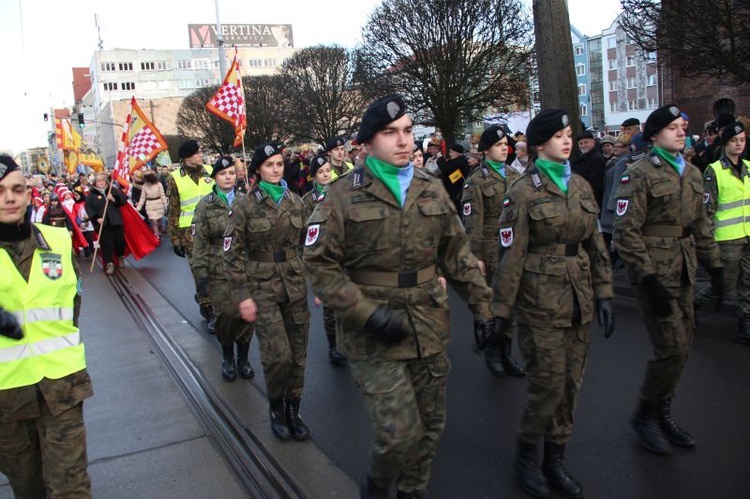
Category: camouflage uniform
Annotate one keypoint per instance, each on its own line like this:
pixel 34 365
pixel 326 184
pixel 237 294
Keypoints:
pixel 262 262
pixel 364 250
pixel 661 224
pixel 42 433
pixel 553 265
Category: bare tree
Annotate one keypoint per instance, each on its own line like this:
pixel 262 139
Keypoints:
pixel 266 109
pixel 195 122
pixel 451 60
pixel 696 36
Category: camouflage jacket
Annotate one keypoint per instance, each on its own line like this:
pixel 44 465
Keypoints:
pixel 552 254
pixel 360 227
pixel 258 229
pixel 17 404
pixel 210 222
pixel 661 222
pixel 481 205
pixel 309 201
pixel 180 236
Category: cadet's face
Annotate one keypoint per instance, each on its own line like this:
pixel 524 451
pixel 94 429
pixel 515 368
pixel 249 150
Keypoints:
pixel 671 138
pixel 337 154
pixel 558 147
pixel 394 143
pixel 195 160
pixel 736 145
pixel 272 169
pixel 14 198
pixel 225 179
pixel 418 159
pixel 499 151
pixel 323 174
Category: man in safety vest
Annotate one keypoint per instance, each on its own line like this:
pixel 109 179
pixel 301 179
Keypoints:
pixel 185 187
pixel 43 378
pixel 727 200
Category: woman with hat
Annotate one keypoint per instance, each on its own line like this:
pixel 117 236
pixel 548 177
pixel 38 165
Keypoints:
pixel 554 273
pixel 210 220
pixel 112 235
pixel 263 267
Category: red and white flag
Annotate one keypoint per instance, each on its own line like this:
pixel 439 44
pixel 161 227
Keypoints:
pixel 141 142
pixel 228 102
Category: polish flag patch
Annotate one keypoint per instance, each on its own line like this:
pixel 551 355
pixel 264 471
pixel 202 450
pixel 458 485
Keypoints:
pixel 506 237
pixel 622 206
pixel 227 243
pixel 506 202
pixel 706 197
pixel 467 209
pixel 313 232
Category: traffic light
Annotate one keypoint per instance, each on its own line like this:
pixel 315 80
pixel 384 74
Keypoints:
pixel 81 121
pixel 46 116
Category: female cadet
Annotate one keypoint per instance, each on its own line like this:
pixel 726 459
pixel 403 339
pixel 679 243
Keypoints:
pixel 320 171
pixel 553 267
pixel 210 222
pixel 264 269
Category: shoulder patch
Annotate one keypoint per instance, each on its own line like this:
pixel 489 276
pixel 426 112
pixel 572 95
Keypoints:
pixel 313 232
pixel 625 179
pixel 506 237
pixel 622 206
pixel 467 209
pixel 706 197
pixel 227 243
pixel 506 202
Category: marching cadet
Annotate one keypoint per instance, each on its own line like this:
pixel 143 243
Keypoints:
pixel 554 272
pixel 263 266
pixel 336 153
pixel 320 170
pixel 371 254
pixel 727 199
pixel 660 226
pixel 481 205
pixel 43 377
pixel 211 218
pixel 185 187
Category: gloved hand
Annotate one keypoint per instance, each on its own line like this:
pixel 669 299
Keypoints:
pixel 201 287
pixel 605 316
pixel 9 326
pixel 484 333
pixel 385 327
pixel 659 297
pixel 179 251
pixel 717 285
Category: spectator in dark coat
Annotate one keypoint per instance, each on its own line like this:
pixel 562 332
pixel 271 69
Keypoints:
pixel 590 164
pixel 112 239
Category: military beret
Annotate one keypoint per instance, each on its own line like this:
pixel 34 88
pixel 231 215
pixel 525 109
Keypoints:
pixel 730 131
pixel 7 165
pixel 546 124
pixel 723 120
pixel 188 148
pixel 608 139
pixel 222 163
pixel 334 143
pixel 631 122
pixel 490 137
pixel 379 114
pixel 316 163
pixel 659 119
pixel 585 135
pixel 261 154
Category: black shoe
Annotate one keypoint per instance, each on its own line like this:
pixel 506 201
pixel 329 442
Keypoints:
pixel 228 371
pixel 510 365
pixel 297 428
pixel 743 332
pixel 493 362
pixel 243 365
pixel 337 358
pixel 671 430
pixel 557 476
pixel 646 425
pixel 371 491
pixel 528 474
pixel 279 425
pixel 409 495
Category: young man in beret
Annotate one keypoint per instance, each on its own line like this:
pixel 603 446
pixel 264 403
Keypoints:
pixel 660 226
pixel 372 251
pixel 185 187
pixel 481 206
pixel 336 155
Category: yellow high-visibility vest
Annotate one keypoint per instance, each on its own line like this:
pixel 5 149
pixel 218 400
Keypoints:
pixel 732 218
pixel 191 193
pixel 51 346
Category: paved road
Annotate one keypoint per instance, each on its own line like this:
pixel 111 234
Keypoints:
pixel 475 459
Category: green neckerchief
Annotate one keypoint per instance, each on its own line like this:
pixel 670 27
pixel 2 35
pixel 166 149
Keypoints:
pixel 554 171
pixel 498 167
pixel 669 158
pixel 275 191
pixel 386 173
pixel 221 194
pixel 320 188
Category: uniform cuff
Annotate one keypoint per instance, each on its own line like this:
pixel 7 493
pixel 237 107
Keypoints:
pixel 501 310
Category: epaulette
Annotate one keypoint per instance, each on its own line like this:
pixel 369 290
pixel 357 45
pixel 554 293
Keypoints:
pixel 43 244
pixel 485 171
pixel 259 196
pixel 655 159
pixel 358 177
pixel 182 171
pixel 536 179
pixel 420 173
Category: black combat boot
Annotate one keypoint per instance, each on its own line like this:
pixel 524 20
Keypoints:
pixel 557 476
pixel 279 425
pixel 528 474
pixel 371 491
pixel 337 358
pixel 228 371
pixel 243 365
pixel 409 495
pixel 492 359
pixel 743 331
pixel 671 430
pixel 646 424
pixel 297 428
pixel 510 365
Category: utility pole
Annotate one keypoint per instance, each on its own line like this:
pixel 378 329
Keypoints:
pixel 220 43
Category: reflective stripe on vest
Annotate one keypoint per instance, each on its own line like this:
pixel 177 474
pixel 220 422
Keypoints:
pixel 190 194
pixel 51 346
pixel 732 218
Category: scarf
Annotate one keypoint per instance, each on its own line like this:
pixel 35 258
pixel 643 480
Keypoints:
pixel 276 192
pixel 498 167
pixel 559 173
pixel 678 163
pixel 227 197
pixel 396 179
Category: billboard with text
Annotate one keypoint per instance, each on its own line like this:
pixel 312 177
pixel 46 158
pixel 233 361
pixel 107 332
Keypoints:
pixel 241 35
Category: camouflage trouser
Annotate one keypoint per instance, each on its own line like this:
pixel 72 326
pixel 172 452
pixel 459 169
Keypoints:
pixel 186 240
pixel 490 268
pixel 281 329
pixel 406 401
pixel 230 327
pixel 48 452
pixel 736 259
pixel 329 325
pixel 555 362
pixel 671 338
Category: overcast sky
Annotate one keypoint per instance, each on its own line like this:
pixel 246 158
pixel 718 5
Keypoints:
pixel 43 39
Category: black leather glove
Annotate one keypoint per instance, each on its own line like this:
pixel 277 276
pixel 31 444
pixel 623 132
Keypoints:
pixel 385 327
pixel 484 333
pixel 179 251
pixel 201 287
pixel 659 298
pixel 605 316
pixel 9 326
pixel 717 285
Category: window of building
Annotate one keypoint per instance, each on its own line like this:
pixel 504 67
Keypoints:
pixel 631 105
pixel 578 49
pixel 128 85
pixel 163 65
pixel 147 66
pixel 108 66
pixel 125 66
pixel 611 43
pixel 613 85
pixel 612 63
pixel 613 107
pixel 652 104
pixel 185 64
pixel 581 89
pixel 254 63
pixel 269 63
pixel 202 82
pixel 201 64
pixel 187 83
pixel 631 82
pixel 109 86
pixel 631 60
pixel 584 110
pixel 580 69
pixel 651 80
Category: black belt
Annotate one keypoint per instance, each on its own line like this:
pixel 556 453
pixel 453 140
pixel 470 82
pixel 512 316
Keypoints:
pixel 393 279
pixel 666 231
pixel 272 256
pixel 152 199
pixel 562 249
